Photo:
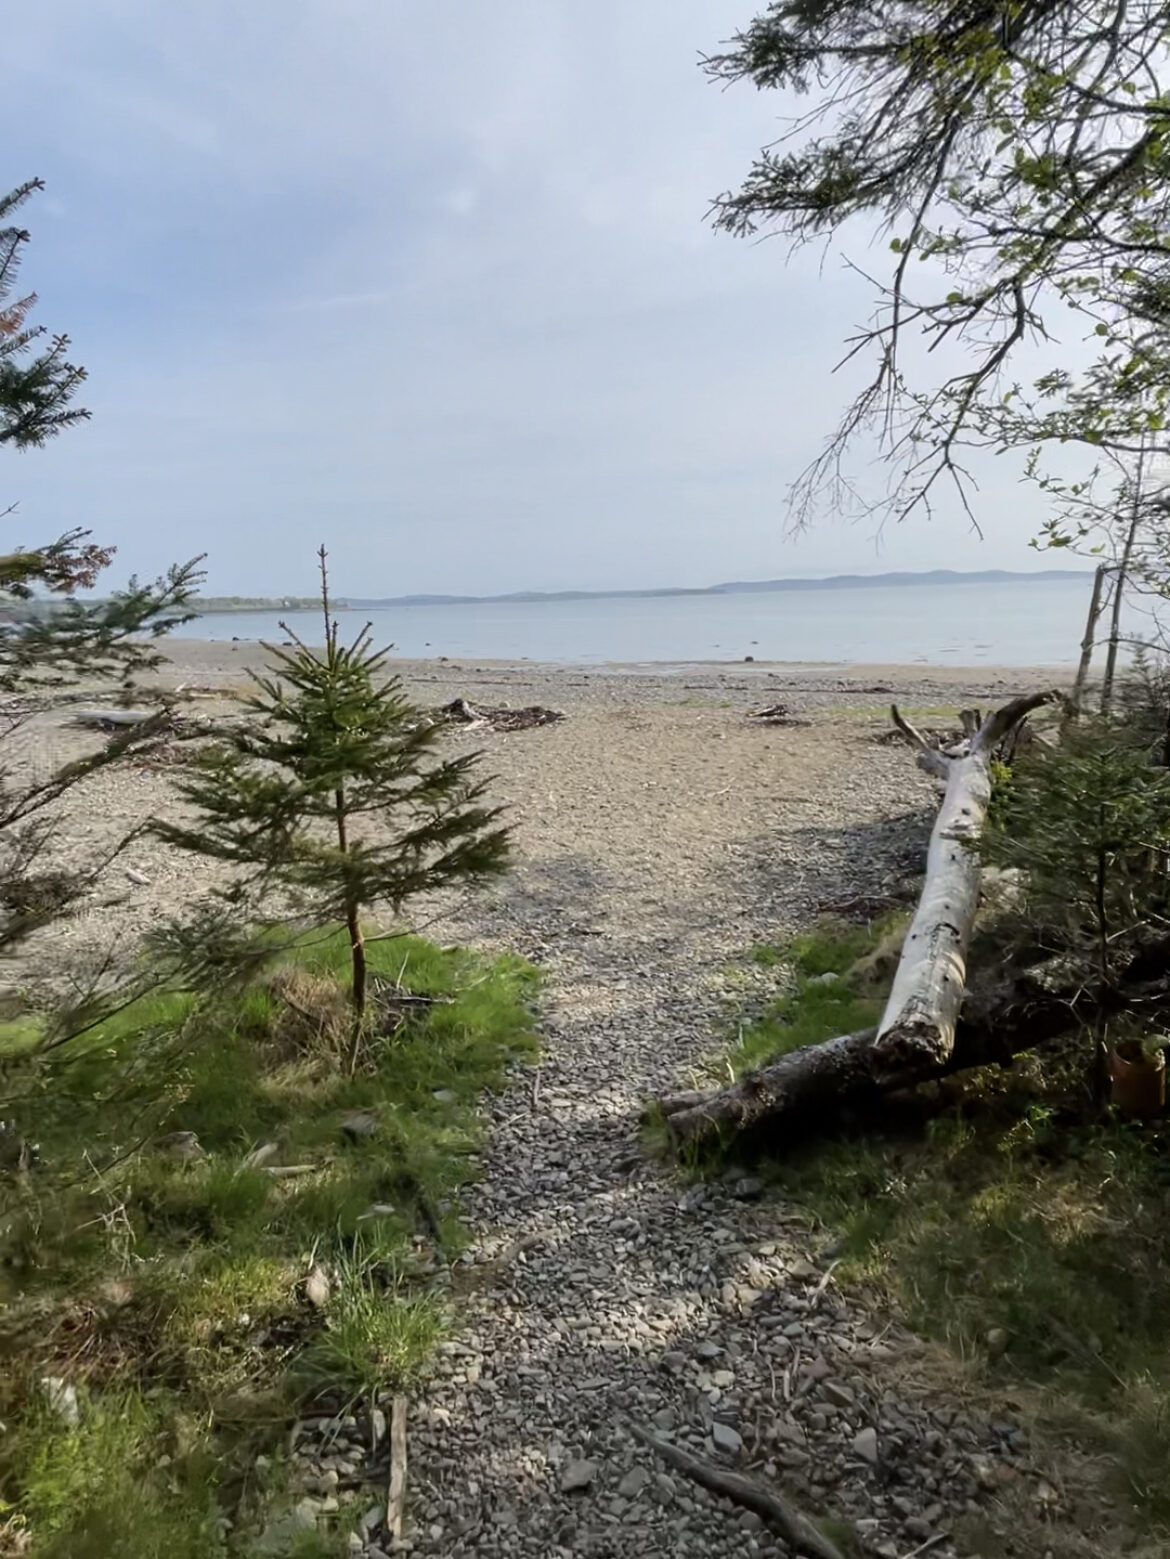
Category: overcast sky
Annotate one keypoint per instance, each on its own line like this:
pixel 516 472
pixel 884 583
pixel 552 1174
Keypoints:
pixel 433 283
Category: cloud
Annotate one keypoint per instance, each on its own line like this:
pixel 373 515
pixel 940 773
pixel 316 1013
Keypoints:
pixel 433 283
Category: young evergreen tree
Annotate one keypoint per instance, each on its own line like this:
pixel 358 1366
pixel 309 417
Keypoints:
pixel 330 795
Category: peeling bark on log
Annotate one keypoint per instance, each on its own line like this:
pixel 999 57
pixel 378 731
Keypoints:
pixel 917 1028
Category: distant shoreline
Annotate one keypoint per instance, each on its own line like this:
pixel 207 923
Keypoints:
pixel 224 605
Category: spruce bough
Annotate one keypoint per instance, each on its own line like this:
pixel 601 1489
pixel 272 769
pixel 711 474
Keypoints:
pixel 330 793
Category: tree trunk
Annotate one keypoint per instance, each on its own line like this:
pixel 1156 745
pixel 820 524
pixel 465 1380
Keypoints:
pixel 918 1026
pixel 357 952
pixel 1088 643
pixel 1120 580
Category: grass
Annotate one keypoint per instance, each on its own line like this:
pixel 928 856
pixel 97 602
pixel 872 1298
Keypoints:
pixel 1028 1235
pixel 823 997
pixel 167 1289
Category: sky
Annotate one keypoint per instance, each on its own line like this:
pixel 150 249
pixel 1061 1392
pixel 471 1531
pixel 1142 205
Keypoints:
pixel 433 283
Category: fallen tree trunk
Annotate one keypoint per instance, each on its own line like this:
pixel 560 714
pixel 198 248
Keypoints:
pixel 839 1079
pixel 917 1029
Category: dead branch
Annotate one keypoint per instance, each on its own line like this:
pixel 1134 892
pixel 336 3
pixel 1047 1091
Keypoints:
pixel 796 1530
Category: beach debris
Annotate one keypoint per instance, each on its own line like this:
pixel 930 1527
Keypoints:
pixel 780 1516
pixel 396 1491
pixel 108 719
pixel 500 718
pixel 775 714
pixel 140 879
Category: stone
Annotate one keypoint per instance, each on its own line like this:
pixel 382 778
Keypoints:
pixel 61 1396
pixel 865 1445
pixel 358 1124
pixel 633 1483
pixel 377 1427
pixel 726 1438
pixel 373 1519
pixel 182 1146
pixel 578 1476
pixel 317 1287
pixel 997 1341
pixel 444 1095
pixel 748 1189
pixel 838 1395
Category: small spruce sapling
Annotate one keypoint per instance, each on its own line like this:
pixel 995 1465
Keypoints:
pixel 1089 827
pixel 330 794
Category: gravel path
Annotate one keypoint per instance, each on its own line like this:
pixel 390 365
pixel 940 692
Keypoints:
pixel 600 1288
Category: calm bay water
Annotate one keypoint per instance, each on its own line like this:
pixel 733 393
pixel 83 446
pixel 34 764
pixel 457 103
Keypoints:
pixel 1009 623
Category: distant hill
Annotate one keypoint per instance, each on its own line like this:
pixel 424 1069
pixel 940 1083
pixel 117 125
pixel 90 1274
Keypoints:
pixel 938 576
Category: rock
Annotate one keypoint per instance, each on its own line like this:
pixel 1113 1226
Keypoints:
pixel 182 1146
pixel 997 1341
pixel 723 1379
pixel 282 1535
pixel 748 1189
pixel 633 1483
pixel 726 1439
pixel 377 1427
pixel 317 1287
pixel 377 1210
pixel 830 977
pixel 373 1519
pixel 444 1095
pixel 577 1476
pixel 61 1396
pixel 708 1349
pixel 838 1395
pixel 140 879
pixel 865 1445
pixel 358 1124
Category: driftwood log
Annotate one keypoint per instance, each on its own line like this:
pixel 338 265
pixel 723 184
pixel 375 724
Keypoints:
pixel 838 1080
pixel 920 1036
pixel 917 1028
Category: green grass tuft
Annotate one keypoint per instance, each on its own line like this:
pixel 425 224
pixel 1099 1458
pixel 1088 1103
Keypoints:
pixel 812 1008
pixel 377 1335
